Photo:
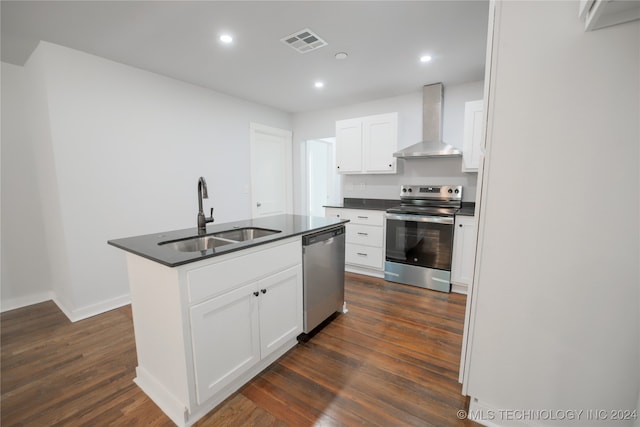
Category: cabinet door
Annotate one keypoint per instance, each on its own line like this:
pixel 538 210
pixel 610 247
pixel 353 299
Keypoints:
pixel 380 141
pixel 280 309
pixel 472 136
pixel 349 146
pixel 464 250
pixel 225 339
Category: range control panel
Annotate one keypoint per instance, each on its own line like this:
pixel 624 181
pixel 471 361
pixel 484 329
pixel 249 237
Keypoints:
pixel 431 192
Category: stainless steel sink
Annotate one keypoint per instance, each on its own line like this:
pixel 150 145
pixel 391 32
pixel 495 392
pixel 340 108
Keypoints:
pixel 242 234
pixel 215 240
pixel 196 244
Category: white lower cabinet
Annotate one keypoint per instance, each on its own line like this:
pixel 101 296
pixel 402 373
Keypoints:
pixel 232 332
pixel 222 353
pixel 365 240
pixel 280 312
pixel 204 329
pixel 464 252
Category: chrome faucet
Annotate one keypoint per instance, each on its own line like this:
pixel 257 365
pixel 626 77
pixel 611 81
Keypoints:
pixel 203 220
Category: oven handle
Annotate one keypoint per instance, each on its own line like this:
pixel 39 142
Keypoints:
pixel 420 218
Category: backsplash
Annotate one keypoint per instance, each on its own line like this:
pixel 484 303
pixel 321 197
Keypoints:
pixel 436 171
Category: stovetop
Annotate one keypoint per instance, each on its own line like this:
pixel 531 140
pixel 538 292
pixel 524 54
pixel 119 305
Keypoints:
pixel 443 200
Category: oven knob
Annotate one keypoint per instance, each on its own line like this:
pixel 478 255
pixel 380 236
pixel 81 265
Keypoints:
pixel 450 191
pixel 410 190
pixel 457 191
pixel 404 190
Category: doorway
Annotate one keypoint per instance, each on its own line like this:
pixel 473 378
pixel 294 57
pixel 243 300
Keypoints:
pixel 271 171
pixel 323 183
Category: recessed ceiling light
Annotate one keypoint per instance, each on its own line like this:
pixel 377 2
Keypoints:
pixel 341 55
pixel 318 84
pixel 425 58
pixel 226 38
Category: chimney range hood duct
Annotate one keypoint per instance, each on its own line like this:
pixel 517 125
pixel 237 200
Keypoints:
pixel 432 145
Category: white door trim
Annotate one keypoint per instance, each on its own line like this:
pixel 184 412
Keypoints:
pixel 254 130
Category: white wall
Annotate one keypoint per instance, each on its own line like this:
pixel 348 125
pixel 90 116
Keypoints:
pixel 122 157
pixel 557 304
pixel 321 124
pixel 23 282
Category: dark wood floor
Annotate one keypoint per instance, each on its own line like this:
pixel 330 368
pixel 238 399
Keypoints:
pixel 392 360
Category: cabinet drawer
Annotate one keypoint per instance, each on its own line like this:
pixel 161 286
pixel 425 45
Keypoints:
pixel 336 213
pixel 364 235
pixel 363 255
pixel 214 279
pixel 366 217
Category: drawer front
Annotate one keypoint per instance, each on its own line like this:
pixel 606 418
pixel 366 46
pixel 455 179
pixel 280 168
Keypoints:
pixel 336 213
pixel 226 274
pixel 365 235
pixel 364 255
pixel 366 217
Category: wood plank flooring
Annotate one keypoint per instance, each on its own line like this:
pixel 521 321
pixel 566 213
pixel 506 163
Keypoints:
pixel 392 360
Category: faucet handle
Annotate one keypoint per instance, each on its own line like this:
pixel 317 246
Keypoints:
pixel 211 215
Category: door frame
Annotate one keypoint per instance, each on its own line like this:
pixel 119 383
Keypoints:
pixel 254 130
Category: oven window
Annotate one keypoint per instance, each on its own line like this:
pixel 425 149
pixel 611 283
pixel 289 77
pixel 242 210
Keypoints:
pixel 424 244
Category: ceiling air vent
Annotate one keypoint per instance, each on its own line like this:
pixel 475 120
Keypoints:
pixel 304 41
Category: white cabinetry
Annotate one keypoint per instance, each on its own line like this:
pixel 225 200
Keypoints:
pixel 204 329
pixel 472 136
pixel 464 251
pixel 366 145
pixel 605 13
pixel 365 240
pixel 211 331
pixel 249 323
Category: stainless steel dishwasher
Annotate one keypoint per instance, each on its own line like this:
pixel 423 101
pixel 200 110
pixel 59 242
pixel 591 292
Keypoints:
pixel 323 265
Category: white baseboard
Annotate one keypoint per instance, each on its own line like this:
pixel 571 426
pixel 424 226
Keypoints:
pixel 94 309
pixel 13 303
pixel 459 289
pixel 170 405
pixel 364 270
pixel 72 314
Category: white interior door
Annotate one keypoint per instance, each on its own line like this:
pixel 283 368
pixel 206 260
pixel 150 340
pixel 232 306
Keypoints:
pixel 321 175
pixel 271 175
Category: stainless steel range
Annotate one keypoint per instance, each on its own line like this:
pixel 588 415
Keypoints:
pixel 419 241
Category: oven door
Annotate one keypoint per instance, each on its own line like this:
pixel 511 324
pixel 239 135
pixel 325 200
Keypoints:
pixel 423 241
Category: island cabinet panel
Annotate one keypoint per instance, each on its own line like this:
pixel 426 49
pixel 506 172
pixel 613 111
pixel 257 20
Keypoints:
pixel 225 339
pixel 219 276
pixel 205 328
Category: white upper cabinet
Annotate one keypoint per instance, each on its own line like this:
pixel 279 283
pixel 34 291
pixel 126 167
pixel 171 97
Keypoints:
pixel 366 145
pixel 349 146
pixel 605 13
pixel 472 136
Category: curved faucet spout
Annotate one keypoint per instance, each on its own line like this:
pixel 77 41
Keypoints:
pixel 203 194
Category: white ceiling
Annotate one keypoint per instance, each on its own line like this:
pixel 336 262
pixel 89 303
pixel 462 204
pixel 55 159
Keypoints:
pixel 384 40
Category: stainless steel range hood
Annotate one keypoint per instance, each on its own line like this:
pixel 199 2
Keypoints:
pixel 432 145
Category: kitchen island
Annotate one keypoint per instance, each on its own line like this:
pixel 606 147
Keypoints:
pixel 207 321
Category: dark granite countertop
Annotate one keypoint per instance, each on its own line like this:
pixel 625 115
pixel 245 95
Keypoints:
pixel 467 209
pixel 147 246
pixel 372 204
